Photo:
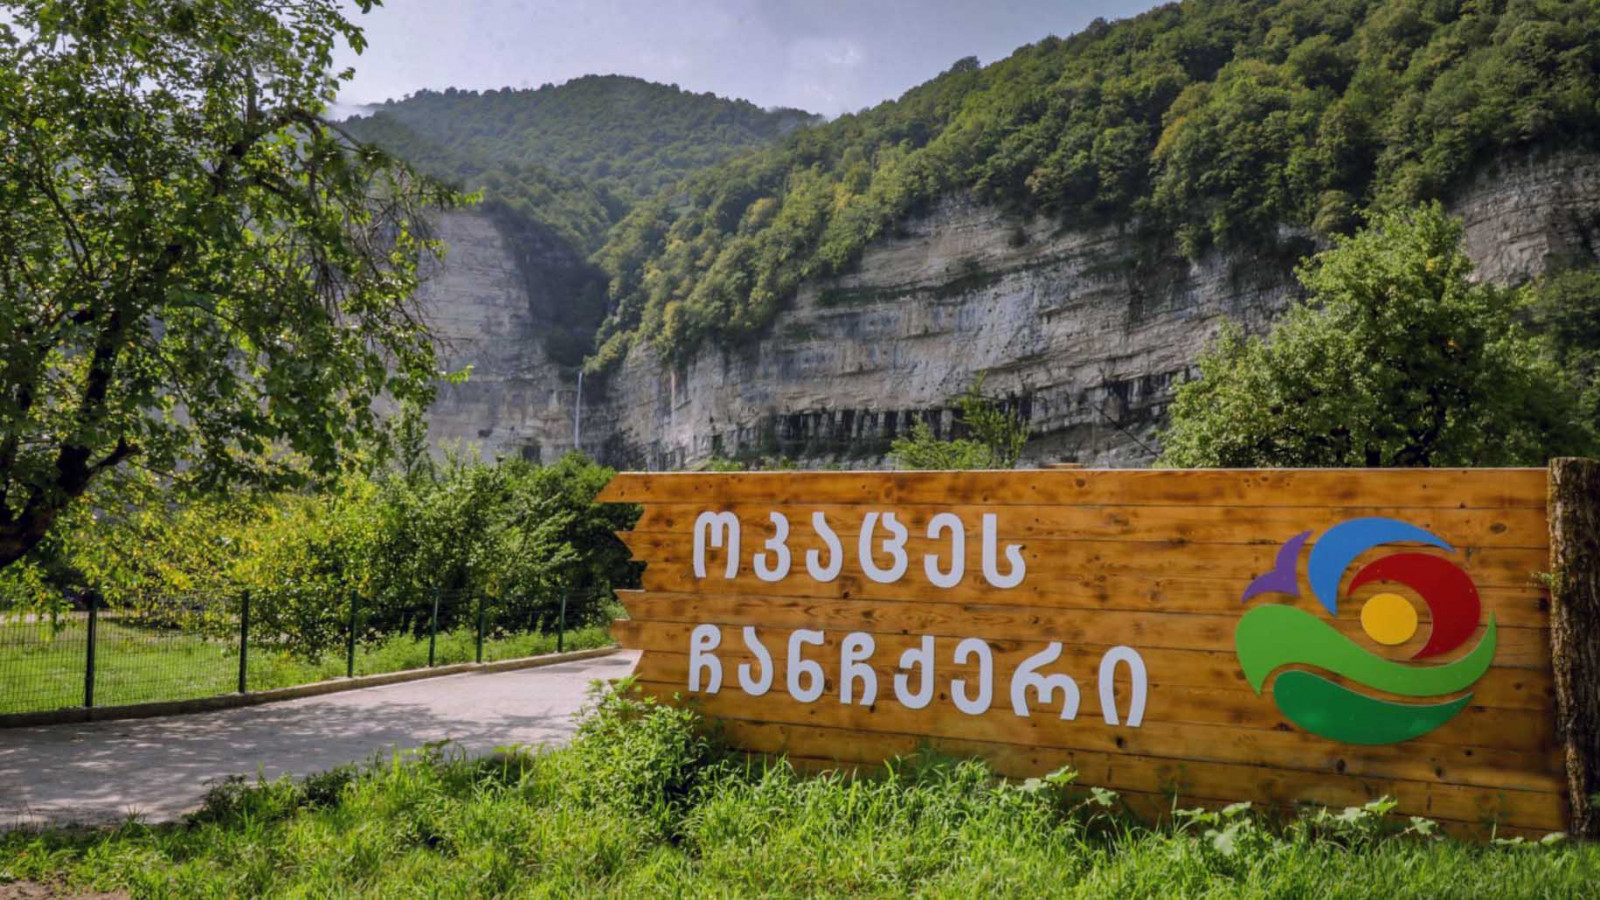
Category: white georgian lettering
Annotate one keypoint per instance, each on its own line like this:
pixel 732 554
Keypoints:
pixel 719 530
pixel 895 546
pixel 854 652
pixel 974 706
pixel 703 640
pixel 804 667
pixel 814 566
pixel 958 550
pixel 1027 676
pixel 991 563
pixel 922 658
pixel 755 687
pixel 1108 688
pixel 779 550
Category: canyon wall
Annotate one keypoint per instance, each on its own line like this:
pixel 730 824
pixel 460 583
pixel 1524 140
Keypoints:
pixel 1083 331
pixel 486 315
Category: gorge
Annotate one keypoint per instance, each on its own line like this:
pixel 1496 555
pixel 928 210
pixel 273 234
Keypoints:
pixel 1085 331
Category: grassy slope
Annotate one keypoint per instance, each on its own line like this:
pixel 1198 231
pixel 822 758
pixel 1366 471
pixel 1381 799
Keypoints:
pixel 639 805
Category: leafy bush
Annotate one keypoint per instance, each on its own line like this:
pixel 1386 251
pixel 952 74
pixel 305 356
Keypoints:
pixel 990 437
pixel 1398 358
pixel 515 534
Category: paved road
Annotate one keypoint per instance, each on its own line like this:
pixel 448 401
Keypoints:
pixel 101 771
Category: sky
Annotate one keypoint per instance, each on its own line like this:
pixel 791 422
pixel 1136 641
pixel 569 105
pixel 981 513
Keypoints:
pixel 825 56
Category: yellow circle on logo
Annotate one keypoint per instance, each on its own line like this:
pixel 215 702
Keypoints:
pixel 1389 619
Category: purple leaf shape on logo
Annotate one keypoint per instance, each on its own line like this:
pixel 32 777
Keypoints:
pixel 1281 579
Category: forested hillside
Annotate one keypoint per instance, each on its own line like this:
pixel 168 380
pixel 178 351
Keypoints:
pixel 567 162
pixel 1205 123
pixel 624 136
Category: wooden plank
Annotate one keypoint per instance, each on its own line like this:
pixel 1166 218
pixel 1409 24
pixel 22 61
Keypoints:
pixel 1500 687
pixel 1387 488
pixel 1288 750
pixel 1509 527
pixel 1188 783
pixel 1514 606
pixel 1511 728
pixel 1048 559
pixel 1517 647
pixel 1523 730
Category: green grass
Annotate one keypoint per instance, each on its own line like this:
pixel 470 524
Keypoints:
pixel 640 804
pixel 141 665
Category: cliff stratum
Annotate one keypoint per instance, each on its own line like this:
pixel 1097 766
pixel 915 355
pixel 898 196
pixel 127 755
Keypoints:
pixel 1071 225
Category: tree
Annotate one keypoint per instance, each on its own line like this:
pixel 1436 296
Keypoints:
pixel 1397 358
pixel 993 438
pixel 1565 306
pixel 201 273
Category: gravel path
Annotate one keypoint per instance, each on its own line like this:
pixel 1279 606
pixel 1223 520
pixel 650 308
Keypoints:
pixel 101 772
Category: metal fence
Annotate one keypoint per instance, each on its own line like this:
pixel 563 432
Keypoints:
pixel 187 648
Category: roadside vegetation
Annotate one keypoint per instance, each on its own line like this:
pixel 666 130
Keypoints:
pixel 643 804
pixel 1399 357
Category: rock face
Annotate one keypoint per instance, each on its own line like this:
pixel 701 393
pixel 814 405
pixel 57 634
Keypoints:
pixel 1085 331
pixel 516 401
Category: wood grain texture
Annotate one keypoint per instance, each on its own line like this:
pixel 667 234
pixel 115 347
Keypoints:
pixel 1376 488
pixel 1156 560
pixel 1575 625
pixel 1499 770
pixel 1508 527
pixel 1500 687
pixel 1049 559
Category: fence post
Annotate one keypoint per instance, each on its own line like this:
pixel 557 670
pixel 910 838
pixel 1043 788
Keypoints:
pixel 244 642
pixel 480 627
pixel 561 627
pixel 88 665
pixel 1574 503
pixel 433 626
pixel 350 641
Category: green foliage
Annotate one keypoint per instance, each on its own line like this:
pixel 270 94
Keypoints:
pixel 1565 306
pixel 992 438
pixel 200 273
pixel 1208 121
pixel 558 166
pixel 625 138
pixel 1397 358
pixel 640 804
pixel 515 534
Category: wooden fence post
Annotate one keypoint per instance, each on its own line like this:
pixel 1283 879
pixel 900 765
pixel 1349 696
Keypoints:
pixel 1575 630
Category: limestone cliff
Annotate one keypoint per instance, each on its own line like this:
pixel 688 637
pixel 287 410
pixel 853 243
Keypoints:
pixel 1085 331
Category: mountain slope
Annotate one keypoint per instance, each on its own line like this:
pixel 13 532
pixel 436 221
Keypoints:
pixel 558 166
pixel 1210 123
pixel 625 137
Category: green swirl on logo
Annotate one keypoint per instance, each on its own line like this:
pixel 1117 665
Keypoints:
pixel 1272 636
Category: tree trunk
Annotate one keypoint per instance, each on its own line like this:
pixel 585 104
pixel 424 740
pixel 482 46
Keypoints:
pixel 1575 630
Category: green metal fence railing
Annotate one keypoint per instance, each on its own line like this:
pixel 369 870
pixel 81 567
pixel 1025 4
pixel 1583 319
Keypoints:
pixel 182 648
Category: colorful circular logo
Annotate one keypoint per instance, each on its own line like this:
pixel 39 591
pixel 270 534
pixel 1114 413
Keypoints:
pixel 1272 636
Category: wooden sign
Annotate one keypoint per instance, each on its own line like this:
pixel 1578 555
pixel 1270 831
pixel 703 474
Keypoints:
pixel 1278 636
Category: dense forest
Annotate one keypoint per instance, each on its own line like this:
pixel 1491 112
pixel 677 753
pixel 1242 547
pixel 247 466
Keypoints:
pixel 623 137
pixel 1205 123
